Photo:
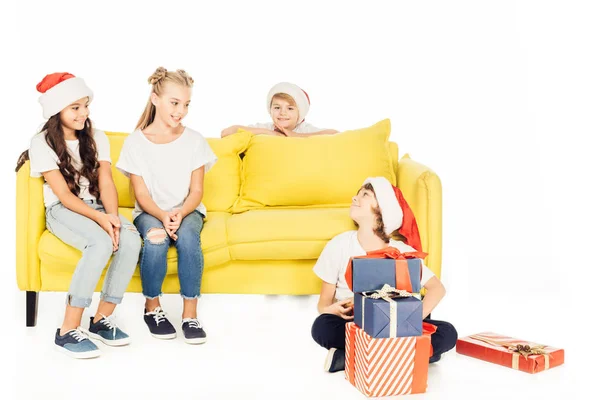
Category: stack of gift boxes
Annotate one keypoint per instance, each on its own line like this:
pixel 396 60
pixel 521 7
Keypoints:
pixel 387 352
pixel 388 345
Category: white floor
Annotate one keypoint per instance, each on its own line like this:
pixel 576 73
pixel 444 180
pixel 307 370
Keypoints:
pixel 259 347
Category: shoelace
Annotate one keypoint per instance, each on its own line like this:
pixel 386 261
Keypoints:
pixel 110 323
pixel 78 335
pixel 158 314
pixel 194 323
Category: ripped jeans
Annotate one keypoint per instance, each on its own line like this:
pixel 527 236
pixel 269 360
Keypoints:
pixel 153 261
pixel 96 249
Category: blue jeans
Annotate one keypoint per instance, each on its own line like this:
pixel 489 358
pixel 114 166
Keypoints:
pixel 96 248
pixel 153 262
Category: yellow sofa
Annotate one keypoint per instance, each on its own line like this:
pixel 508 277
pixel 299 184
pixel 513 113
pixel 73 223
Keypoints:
pixel 273 203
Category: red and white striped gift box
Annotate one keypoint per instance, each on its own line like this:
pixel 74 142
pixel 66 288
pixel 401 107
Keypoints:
pixel 387 366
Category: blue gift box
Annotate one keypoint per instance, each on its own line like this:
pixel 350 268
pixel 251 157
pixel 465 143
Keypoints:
pixel 381 319
pixel 372 273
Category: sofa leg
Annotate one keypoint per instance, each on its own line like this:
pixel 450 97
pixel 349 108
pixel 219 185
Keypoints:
pixel 32 299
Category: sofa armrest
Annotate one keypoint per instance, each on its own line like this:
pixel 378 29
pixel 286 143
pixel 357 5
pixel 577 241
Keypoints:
pixel 422 190
pixel 31 223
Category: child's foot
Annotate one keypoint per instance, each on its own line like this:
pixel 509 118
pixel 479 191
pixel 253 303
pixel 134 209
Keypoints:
pixel 107 331
pixel 159 325
pixel 335 360
pixel 76 344
pixel 435 358
pixel 192 331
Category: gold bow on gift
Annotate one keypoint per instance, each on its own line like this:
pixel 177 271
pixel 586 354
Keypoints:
pixel 525 350
pixel 386 293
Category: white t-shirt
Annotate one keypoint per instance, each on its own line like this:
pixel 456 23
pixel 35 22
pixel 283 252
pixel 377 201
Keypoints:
pixel 332 263
pixel 43 159
pixel 166 168
pixel 302 127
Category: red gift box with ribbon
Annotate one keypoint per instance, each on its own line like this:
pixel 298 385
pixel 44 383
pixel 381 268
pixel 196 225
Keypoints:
pixel 388 366
pixel 510 352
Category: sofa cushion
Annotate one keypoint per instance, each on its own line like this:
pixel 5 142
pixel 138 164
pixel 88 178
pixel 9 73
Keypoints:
pixel 285 234
pixel 313 172
pixel 221 184
pixel 60 257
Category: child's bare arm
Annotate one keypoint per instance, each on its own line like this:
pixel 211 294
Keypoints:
pixel 435 292
pixel 327 296
pixel 326 305
pixel 319 133
pixel 257 131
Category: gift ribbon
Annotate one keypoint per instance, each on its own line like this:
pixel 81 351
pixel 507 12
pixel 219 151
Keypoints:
pixel 402 275
pixel 518 350
pixel 386 293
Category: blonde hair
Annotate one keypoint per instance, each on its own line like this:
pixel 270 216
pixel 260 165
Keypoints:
pixel 158 80
pixel 284 96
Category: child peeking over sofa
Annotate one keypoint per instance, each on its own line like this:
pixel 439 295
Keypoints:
pixel 287 105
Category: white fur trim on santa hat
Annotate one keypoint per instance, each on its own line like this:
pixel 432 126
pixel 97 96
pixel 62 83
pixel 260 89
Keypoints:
pixel 62 94
pixel 391 211
pixel 297 94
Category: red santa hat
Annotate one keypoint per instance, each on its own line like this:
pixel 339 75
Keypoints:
pixel 300 97
pixel 59 90
pixel 395 211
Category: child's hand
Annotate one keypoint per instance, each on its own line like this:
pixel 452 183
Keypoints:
pixel 284 131
pixel 168 224
pixel 116 223
pixel 271 133
pixel 343 308
pixel 107 223
pixel 176 219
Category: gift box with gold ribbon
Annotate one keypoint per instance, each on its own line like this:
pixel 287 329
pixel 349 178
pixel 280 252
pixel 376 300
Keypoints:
pixel 510 352
pixel 388 313
pixel 386 367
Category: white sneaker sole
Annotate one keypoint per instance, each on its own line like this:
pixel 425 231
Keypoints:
pixel 80 356
pixel 195 340
pixel 164 337
pixel 329 359
pixel 115 343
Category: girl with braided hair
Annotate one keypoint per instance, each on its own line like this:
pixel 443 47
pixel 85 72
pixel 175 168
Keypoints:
pixel 166 162
pixel 82 211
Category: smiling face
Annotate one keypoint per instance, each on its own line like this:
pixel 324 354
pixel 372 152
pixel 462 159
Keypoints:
pixel 172 105
pixel 73 117
pixel 364 204
pixel 284 111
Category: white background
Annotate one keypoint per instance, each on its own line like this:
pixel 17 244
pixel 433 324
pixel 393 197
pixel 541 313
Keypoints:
pixel 500 98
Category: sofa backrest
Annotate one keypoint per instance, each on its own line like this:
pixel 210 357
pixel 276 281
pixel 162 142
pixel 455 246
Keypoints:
pixel 257 171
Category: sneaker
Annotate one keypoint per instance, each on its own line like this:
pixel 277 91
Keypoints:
pixel 335 360
pixel 76 344
pixel 107 331
pixel 192 331
pixel 159 325
pixel 435 358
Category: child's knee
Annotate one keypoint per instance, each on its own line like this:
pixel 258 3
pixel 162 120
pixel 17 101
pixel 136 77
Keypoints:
pixel 155 236
pixel 130 239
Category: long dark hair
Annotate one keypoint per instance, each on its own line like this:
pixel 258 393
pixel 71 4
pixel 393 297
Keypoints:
pixel 87 151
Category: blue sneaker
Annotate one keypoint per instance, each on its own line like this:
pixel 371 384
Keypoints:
pixel 159 325
pixel 192 331
pixel 75 344
pixel 107 331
